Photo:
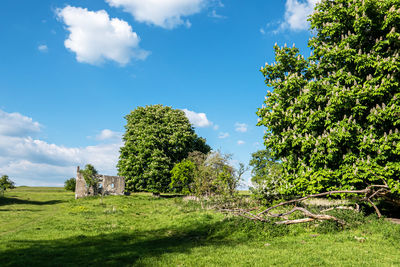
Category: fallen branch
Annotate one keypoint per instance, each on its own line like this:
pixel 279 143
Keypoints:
pixel 304 220
pixel 363 191
pixel 308 214
pixel 369 192
pixel 375 207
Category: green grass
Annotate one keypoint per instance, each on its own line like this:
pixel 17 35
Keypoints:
pixel 48 227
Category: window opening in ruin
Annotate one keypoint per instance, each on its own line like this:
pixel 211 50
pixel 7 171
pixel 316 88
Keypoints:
pixel 112 185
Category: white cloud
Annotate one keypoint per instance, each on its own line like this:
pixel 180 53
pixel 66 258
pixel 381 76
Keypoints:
pixel 30 161
pixel 107 134
pixel 296 14
pixel 241 142
pixel 262 31
pixel 164 13
pixel 94 37
pixel 213 14
pixel 15 124
pixel 197 119
pixel 223 135
pixel 43 48
pixel 241 127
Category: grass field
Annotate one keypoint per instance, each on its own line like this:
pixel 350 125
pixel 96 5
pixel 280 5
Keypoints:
pixel 48 227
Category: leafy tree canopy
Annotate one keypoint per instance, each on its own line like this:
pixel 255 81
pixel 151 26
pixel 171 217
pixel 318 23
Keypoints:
pixel 156 138
pixel 333 118
pixel 90 175
pixel 266 176
pixel 6 183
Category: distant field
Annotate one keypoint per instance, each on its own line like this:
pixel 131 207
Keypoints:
pixel 47 226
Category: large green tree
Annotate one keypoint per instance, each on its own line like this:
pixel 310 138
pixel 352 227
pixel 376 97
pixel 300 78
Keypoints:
pixel 156 138
pixel 333 118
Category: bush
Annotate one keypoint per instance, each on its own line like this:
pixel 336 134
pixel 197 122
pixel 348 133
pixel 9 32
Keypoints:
pixel 213 175
pixel 70 184
pixel 182 177
pixel 5 183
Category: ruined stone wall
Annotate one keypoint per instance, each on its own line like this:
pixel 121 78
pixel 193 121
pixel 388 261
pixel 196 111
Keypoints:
pixel 112 185
pixel 108 185
pixel 80 187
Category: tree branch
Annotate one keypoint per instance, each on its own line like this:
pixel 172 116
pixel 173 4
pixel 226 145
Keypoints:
pixel 363 191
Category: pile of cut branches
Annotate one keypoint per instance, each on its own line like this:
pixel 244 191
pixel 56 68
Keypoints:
pixel 368 194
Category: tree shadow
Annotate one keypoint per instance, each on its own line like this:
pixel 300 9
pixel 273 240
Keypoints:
pixel 12 201
pixel 388 209
pixel 171 196
pixel 17 210
pixel 113 249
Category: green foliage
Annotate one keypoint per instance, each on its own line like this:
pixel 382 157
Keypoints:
pixel 206 175
pixel 156 138
pixel 214 175
pixel 90 176
pixel 182 177
pixel 333 118
pixel 266 177
pixel 70 184
pixel 5 183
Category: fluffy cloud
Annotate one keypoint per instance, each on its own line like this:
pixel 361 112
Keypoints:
pixel 15 124
pixel 241 142
pixel 223 135
pixel 197 119
pixel 296 14
pixel 107 134
pixel 241 127
pixel 30 161
pixel 164 13
pixel 94 37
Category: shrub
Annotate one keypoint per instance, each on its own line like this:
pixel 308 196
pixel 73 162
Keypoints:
pixel 5 183
pixel 70 184
pixel 182 177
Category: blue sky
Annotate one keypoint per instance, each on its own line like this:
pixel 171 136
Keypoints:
pixel 71 70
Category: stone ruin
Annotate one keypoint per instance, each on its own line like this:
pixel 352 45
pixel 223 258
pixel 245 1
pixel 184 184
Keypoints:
pixel 107 185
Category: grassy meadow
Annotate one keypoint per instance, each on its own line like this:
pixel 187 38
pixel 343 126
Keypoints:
pixel 48 227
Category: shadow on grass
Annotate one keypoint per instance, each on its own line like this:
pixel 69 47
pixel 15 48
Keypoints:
pixel 105 249
pixel 12 201
pixel 171 196
pixel 18 210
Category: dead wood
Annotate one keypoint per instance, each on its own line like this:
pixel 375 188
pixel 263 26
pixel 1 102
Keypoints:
pixel 308 214
pixel 363 191
pixel 369 193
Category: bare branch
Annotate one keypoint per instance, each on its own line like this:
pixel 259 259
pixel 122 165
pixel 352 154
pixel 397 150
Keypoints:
pixel 363 191
pixel 375 207
pixel 296 221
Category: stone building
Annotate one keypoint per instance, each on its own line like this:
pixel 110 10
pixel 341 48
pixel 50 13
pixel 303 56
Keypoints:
pixel 107 185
